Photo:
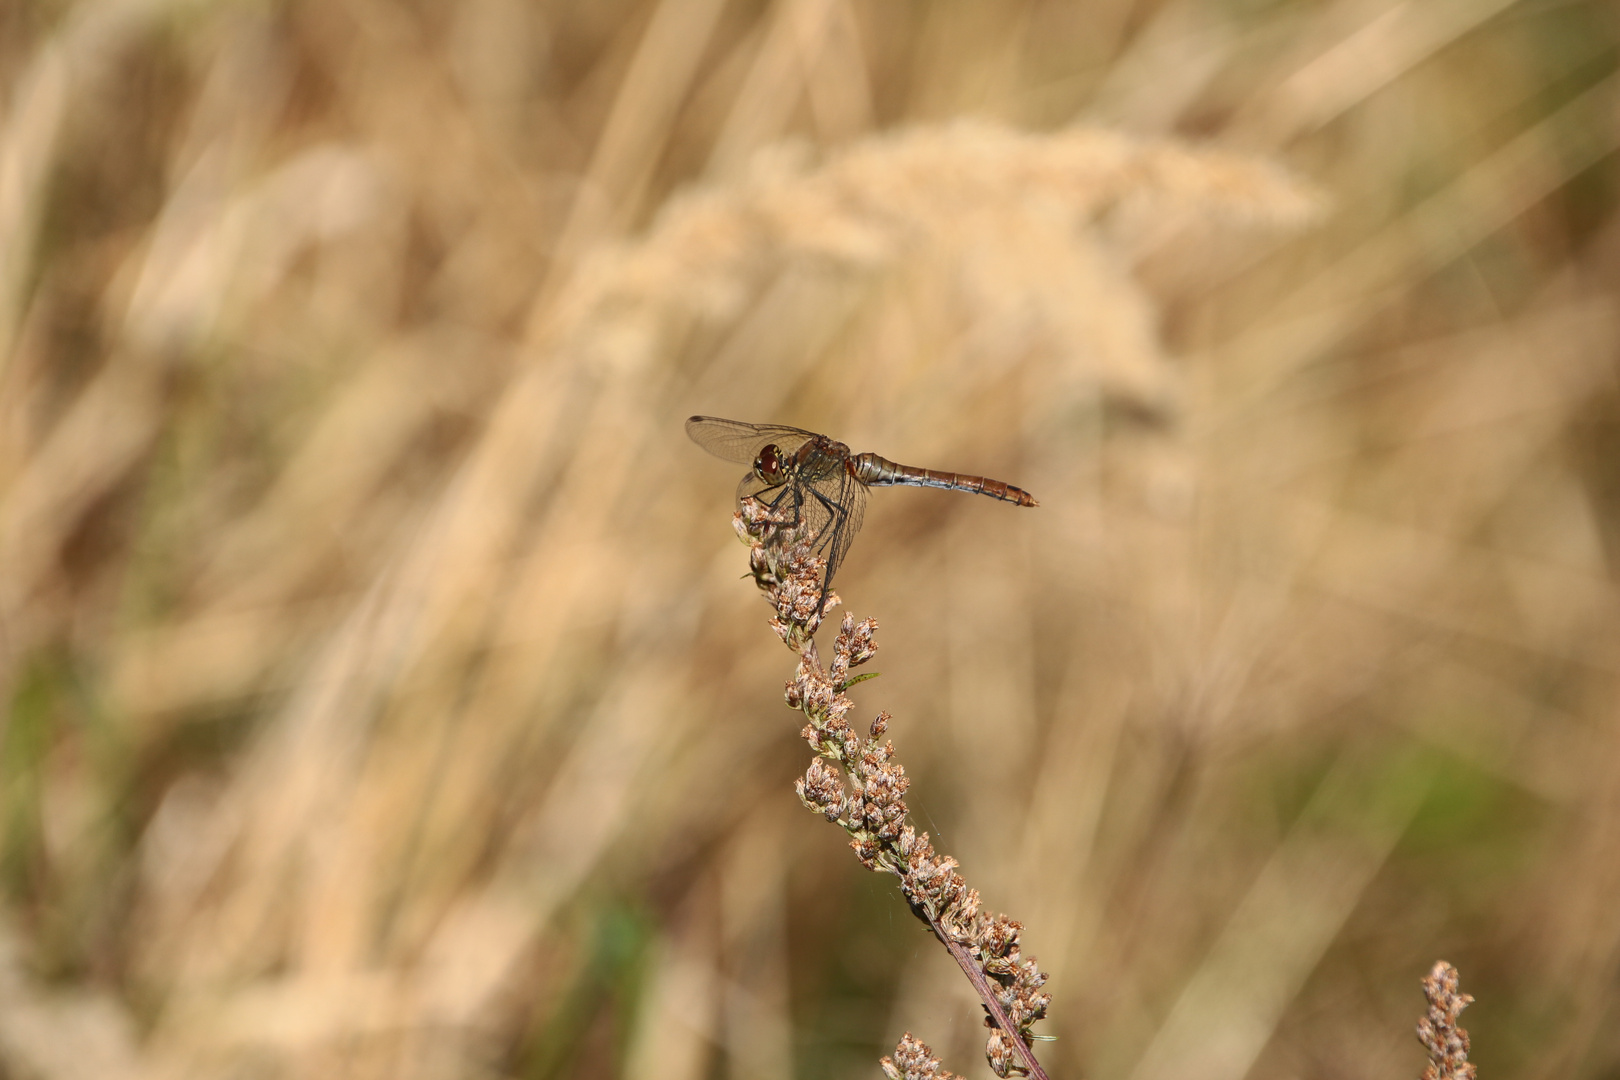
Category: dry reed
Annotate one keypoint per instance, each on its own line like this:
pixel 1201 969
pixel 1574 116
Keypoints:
pixel 371 647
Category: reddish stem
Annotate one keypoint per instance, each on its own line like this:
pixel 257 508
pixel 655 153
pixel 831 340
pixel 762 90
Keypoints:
pixel 964 960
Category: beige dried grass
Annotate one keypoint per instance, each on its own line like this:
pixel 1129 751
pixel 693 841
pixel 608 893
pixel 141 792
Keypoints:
pixel 344 472
pixel 312 780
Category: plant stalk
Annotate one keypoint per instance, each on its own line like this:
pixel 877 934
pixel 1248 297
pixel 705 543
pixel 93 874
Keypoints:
pixel 987 995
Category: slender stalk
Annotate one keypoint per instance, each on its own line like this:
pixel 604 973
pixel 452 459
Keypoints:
pixel 964 960
pixel 855 782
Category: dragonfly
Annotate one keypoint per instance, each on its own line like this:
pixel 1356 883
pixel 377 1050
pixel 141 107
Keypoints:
pixel 819 481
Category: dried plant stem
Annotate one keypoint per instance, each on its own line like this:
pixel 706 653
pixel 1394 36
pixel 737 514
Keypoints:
pixel 1026 1056
pixel 856 783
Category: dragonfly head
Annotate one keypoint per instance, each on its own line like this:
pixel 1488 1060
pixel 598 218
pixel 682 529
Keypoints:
pixel 769 466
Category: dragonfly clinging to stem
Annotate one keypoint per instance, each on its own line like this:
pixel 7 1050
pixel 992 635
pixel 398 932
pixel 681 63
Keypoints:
pixel 818 479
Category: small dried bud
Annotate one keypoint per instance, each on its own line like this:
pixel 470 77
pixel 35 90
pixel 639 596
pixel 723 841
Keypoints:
pixel 840 662
pixel 913 1060
pixel 998 945
pixel 821 790
pixel 998 1051
pixel 862 646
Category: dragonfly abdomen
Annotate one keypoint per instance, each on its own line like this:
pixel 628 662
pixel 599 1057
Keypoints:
pixel 878 471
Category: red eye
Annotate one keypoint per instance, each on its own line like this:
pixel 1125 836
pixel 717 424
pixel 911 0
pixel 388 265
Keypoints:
pixel 768 465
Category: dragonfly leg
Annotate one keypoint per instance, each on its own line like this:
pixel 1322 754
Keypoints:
pixel 835 519
pixel 837 515
pixel 775 504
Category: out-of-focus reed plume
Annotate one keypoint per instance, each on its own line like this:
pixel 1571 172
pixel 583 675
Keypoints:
pixel 379 696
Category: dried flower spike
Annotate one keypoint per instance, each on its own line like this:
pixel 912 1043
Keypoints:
pixel 1438 1031
pixel 855 782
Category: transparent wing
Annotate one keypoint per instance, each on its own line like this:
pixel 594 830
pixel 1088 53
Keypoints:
pixel 851 500
pixel 833 507
pixel 736 441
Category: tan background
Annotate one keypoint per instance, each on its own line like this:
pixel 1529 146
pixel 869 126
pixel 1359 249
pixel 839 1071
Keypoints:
pixel 382 694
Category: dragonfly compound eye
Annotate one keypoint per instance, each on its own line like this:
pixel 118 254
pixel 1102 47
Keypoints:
pixel 768 465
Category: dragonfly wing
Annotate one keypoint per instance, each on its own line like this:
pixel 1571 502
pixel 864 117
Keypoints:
pixel 736 441
pixel 751 486
pixel 835 517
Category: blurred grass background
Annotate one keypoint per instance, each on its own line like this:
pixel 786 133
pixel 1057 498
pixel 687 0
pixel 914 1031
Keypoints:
pixel 381 694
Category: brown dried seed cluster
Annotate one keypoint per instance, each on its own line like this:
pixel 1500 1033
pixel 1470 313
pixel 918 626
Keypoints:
pixel 1438 1031
pixel 873 809
pixel 913 1060
pixel 855 782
